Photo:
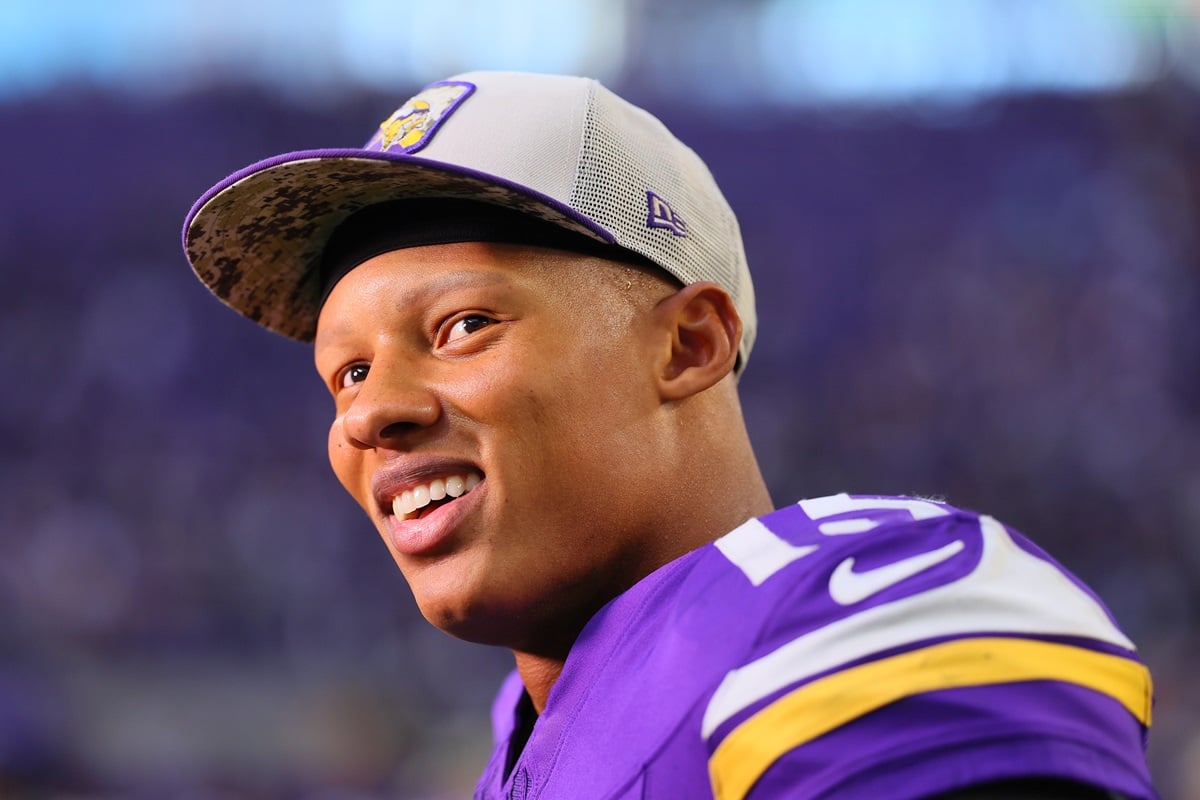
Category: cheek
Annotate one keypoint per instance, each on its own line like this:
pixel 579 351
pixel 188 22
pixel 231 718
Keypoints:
pixel 583 431
pixel 346 460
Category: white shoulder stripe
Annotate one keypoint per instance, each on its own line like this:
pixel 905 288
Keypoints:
pixel 1010 591
pixel 821 507
pixel 758 552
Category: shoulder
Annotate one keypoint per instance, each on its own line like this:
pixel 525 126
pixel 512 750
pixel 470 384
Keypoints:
pixel 918 627
pixel 887 571
pixel 835 559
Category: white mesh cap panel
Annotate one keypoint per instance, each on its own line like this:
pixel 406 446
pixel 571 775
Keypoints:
pixel 627 153
pixel 525 131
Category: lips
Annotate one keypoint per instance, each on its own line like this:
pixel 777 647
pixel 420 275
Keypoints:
pixel 424 501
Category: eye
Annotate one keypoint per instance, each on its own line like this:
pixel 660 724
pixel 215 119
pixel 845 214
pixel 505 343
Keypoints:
pixel 355 374
pixel 467 325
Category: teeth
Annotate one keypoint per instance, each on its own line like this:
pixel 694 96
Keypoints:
pixel 402 505
pixel 410 500
pixel 420 496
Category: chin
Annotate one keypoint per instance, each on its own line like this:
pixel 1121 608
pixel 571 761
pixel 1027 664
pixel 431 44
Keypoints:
pixel 469 625
pixel 500 616
pixel 454 607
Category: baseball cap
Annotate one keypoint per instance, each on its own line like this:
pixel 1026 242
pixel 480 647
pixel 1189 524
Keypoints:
pixel 561 149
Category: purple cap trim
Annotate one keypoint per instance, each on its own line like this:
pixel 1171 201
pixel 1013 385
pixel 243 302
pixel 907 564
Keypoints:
pixel 377 155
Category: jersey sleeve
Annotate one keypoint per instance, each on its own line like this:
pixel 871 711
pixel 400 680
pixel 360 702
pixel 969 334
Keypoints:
pixel 914 649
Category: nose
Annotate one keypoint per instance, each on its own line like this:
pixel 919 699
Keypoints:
pixel 389 409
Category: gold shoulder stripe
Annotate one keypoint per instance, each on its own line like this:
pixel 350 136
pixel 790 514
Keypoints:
pixel 828 703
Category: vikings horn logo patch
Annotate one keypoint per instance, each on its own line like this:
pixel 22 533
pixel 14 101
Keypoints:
pixel 413 124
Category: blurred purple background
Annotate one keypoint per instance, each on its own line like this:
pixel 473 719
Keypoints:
pixel 992 299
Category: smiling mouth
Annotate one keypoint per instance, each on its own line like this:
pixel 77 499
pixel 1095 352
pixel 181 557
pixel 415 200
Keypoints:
pixel 424 498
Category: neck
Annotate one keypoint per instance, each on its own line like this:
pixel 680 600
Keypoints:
pixel 539 674
pixel 540 670
pixel 702 506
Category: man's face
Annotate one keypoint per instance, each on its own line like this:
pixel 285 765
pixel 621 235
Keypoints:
pixel 516 384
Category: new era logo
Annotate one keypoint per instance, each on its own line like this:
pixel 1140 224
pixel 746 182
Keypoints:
pixel 663 216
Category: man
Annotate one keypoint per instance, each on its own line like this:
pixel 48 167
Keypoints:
pixel 531 305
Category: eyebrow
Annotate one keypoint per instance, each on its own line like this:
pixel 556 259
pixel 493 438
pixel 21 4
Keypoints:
pixel 436 286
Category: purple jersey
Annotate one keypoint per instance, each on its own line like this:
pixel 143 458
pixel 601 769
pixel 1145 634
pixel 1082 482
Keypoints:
pixel 848 647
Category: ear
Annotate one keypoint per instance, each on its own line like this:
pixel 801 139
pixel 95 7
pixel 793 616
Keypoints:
pixel 704 330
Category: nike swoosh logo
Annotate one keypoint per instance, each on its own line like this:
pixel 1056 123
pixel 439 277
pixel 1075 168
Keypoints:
pixel 848 587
